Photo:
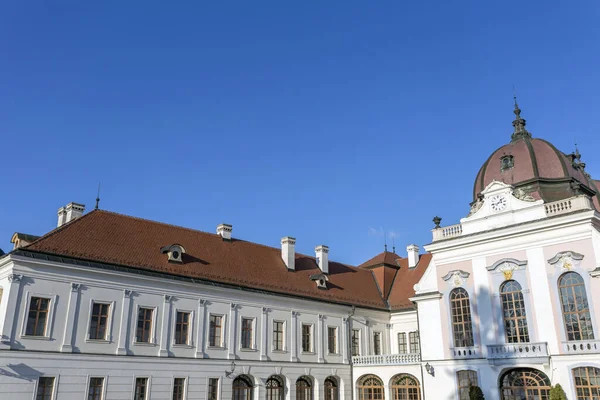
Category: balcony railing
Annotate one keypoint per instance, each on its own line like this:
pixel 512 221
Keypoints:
pixel 447 232
pixel 582 347
pixel 568 205
pixel 387 359
pixel 517 350
pixel 465 352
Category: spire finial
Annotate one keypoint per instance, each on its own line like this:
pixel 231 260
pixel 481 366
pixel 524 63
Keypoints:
pixel 98 197
pixel 519 123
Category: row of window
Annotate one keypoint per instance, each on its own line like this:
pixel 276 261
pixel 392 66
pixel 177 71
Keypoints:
pixel 242 388
pixel 574 306
pixel 39 308
pixel 518 383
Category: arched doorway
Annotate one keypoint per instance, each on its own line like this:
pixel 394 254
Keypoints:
pixel 524 384
pixel 405 387
pixel 370 387
pixel 274 388
pixel 242 388
pixel 304 388
pixel 331 388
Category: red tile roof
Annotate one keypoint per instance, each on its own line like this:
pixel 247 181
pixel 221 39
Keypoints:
pixel 406 278
pixel 107 237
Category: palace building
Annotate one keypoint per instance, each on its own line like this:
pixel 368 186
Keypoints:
pixel 109 306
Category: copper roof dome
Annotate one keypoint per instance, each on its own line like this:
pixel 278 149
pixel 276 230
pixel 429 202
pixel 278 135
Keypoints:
pixel 537 167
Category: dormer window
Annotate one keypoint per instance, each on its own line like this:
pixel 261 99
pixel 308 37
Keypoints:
pixel 321 280
pixel 174 253
pixel 506 162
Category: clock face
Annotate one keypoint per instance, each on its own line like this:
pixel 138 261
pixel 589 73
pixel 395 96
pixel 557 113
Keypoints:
pixel 498 203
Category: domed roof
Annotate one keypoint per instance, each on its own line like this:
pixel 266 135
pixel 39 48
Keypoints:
pixel 536 166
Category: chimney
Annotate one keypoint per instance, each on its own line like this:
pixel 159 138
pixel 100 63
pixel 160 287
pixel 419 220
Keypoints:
pixel 69 213
pixel 413 255
pixel 322 254
pixel 288 252
pixel 224 230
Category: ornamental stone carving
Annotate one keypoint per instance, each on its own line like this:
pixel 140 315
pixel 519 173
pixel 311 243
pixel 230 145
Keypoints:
pixel 456 277
pixel 522 195
pixel 566 260
pixel 507 267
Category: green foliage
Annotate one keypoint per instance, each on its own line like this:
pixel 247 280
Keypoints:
pixel 557 393
pixel 475 393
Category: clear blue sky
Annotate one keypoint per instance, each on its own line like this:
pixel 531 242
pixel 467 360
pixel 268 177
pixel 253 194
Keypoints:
pixel 327 121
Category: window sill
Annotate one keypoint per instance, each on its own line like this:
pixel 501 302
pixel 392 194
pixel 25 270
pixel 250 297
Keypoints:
pixel 182 346
pixel 216 348
pixel 333 354
pixel 249 350
pixel 148 344
pixel 279 351
pixel 35 337
pixel 99 341
pixel 308 353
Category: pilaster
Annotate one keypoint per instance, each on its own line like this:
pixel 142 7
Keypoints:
pixel 67 346
pixel 12 293
pixel 164 331
pixel 200 330
pixel 125 317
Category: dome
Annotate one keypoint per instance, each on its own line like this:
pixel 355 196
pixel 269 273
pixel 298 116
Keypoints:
pixel 537 167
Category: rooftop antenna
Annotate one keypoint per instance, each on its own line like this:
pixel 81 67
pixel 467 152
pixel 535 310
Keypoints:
pixel 393 245
pixel 98 197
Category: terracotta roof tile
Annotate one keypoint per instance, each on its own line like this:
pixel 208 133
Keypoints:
pixel 406 278
pixel 107 237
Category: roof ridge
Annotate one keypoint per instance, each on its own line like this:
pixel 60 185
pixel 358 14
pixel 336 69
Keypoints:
pixel 179 227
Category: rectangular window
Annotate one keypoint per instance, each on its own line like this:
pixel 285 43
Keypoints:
pixel 466 379
pixel 178 388
pixel 247 324
pixel 144 325
pixel 141 389
pixel 213 388
pixel 214 332
pixel 99 321
pixel 413 338
pixel 307 345
pixel 45 388
pixel 182 327
pixel 278 335
pixel 332 339
pixel 377 343
pixel 356 342
pixel 37 317
pixel 96 388
pixel 402 342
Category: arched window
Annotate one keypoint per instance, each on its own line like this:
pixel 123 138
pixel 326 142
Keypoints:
pixel 513 311
pixel 370 387
pixel 303 388
pixel 405 387
pixel 466 378
pixel 524 384
pixel 460 306
pixel 587 383
pixel 331 388
pixel 275 388
pixel 575 309
pixel 242 388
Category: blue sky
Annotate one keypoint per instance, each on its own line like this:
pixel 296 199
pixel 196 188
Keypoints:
pixel 327 121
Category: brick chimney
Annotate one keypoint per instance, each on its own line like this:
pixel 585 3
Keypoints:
pixel 224 230
pixel 69 213
pixel 288 252
pixel 413 255
pixel 322 254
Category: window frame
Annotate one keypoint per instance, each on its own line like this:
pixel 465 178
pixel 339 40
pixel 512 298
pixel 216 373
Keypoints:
pixel 404 343
pixel 584 366
pixel 89 381
pixel 451 308
pixel 219 385
pixel 515 319
pixel 358 342
pixel 283 333
pixel 377 334
pixel 185 386
pixel 458 387
pixel 109 322
pixel 190 336
pixel 221 344
pixel 152 341
pixel 50 316
pixel 590 310
pixel 148 386
pixel 311 330
pixel 335 340
pixel 252 344
pixel 416 343
pixel 54 387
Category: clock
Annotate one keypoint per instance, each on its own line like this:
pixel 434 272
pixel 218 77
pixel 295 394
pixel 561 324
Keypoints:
pixel 498 202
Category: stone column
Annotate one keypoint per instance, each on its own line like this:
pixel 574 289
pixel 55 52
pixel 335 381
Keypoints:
pixel 231 337
pixel 294 335
pixel 344 340
pixel 125 315
pixel 263 334
pixel 12 299
pixel 320 339
pixel 164 331
pixel 201 329
pixel 67 346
